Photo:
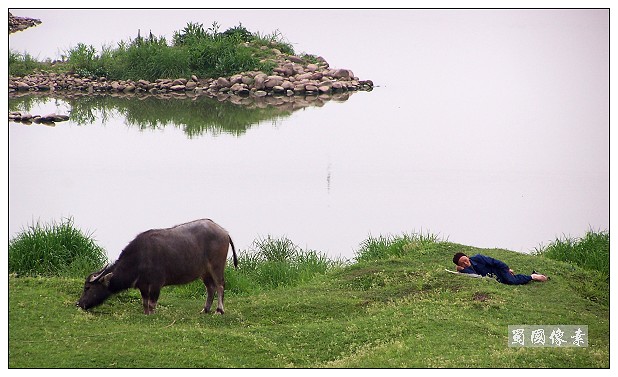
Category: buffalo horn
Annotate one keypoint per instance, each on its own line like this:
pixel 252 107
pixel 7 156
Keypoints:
pixel 99 274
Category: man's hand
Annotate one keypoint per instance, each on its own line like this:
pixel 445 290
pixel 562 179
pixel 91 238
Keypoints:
pixel 459 268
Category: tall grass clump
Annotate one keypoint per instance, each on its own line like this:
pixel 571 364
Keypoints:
pixel 275 262
pixel 84 61
pixel 56 249
pixel 590 252
pixel 213 53
pixel 395 246
pixel 148 58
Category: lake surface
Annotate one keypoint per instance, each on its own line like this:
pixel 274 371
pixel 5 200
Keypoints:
pixel 488 128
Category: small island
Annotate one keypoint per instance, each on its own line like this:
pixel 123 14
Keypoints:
pixel 230 64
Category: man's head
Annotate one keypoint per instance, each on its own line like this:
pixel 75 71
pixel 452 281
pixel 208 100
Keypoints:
pixel 461 260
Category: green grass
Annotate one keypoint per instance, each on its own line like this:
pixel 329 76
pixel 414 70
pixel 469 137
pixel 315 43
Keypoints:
pixel 398 310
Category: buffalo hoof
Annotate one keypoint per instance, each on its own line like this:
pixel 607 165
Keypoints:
pixel 220 311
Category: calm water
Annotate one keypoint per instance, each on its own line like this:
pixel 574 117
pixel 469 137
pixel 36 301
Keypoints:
pixel 489 128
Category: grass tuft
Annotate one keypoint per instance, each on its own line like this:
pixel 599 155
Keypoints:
pixel 56 249
pixel 395 246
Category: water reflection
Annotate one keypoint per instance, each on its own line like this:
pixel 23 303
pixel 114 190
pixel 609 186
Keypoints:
pixel 196 115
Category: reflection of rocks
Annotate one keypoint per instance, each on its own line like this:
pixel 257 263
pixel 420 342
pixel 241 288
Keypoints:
pixel 17 116
pixel 282 102
pixel 21 23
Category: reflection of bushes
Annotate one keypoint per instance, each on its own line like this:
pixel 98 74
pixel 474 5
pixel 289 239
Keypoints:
pixel 196 116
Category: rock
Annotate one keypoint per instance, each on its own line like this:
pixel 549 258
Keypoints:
pixel 337 85
pixel 235 79
pixel 342 74
pixel 312 67
pixel 304 76
pixel 177 88
pixel 22 86
pixel 190 85
pixel 295 59
pixel 179 82
pixel 317 76
pixel 287 85
pixel 236 87
pixel 273 80
pixel 222 82
pixel 260 80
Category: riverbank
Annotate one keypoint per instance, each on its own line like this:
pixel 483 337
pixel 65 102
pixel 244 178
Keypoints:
pixel 394 306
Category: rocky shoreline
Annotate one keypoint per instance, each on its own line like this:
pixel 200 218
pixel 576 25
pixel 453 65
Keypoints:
pixel 21 23
pixel 289 79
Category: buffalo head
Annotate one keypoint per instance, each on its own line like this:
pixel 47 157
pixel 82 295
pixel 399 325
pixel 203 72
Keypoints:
pixel 96 289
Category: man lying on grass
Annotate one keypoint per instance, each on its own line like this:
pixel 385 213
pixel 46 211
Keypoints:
pixel 483 265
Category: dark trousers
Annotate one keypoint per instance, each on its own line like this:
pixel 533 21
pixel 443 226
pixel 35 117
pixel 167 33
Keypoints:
pixel 505 277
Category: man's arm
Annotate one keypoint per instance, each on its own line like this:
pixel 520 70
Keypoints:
pixel 468 270
pixel 492 262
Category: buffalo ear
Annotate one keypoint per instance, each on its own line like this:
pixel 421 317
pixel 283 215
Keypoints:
pixel 107 278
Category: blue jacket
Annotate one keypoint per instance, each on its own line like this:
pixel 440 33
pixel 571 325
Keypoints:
pixel 483 265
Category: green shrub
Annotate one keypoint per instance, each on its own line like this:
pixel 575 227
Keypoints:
pixel 57 249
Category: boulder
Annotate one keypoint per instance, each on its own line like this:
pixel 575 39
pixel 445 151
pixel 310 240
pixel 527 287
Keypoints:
pixel 222 82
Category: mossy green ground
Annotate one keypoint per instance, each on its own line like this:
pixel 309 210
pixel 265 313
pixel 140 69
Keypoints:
pixel 404 312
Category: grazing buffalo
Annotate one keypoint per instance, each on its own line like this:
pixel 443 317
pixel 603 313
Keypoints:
pixel 161 257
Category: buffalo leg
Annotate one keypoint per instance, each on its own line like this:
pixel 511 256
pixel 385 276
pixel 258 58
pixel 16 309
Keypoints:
pixel 210 289
pixel 149 299
pixel 220 289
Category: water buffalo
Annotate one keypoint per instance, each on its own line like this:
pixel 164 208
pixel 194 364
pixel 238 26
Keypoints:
pixel 161 257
